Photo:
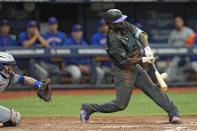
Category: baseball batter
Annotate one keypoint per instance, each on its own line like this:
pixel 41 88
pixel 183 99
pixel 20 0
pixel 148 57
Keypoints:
pixel 10 117
pixel 124 51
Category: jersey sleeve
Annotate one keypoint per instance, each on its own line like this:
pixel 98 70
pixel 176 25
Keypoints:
pixel 17 79
pixel 21 38
pixel 64 38
pixel 134 29
pixel 44 36
pixel 94 40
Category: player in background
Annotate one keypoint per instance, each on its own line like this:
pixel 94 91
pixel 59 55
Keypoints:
pixel 9 117
pixel 192 41
pixel 31 36
pixel 5 39
pixel 177 37
pixel 77 66
pixel 125 53
pixel 99 39
pixel 54 38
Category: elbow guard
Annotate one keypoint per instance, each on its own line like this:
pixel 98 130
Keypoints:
pixel 139 32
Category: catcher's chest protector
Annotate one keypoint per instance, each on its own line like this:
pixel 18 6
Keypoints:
pixel 3 84
pixel 9 115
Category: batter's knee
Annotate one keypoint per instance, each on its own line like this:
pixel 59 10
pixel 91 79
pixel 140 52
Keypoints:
pixel 121 105
pixel 75 74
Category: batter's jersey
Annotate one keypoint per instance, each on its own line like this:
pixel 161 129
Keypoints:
pixel 121 47
pixel 4 82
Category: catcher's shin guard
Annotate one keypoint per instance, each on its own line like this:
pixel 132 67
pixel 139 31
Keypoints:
pixel 9 116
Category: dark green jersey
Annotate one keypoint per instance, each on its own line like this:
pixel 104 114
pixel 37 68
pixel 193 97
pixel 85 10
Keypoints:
pixel 123 46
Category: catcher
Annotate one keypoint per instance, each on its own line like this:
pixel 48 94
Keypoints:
pixel 124 51
pixel 10 117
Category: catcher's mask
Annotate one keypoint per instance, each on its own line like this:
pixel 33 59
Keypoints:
pixel 7 63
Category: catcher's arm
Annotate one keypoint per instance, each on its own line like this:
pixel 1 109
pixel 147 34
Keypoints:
pixel 44 89
pixel 31 82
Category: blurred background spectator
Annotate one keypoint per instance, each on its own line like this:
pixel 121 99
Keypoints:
pixel 5 39
pixel 77 66
pixel 99 39
pixel 178 37
pixel 180 34
pixel 54 38
pixel 31 36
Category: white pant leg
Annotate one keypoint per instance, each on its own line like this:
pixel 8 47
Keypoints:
pixel 106 69
pixel 52 70
pixel 194 65
pixel 173 69
pixel 40 72
pixel 100 75
pixel 75 73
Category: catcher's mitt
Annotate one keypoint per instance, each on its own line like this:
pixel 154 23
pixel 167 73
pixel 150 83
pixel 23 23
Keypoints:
pixel 44 92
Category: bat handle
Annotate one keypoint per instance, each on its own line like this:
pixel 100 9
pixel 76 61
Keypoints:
pixel 154 66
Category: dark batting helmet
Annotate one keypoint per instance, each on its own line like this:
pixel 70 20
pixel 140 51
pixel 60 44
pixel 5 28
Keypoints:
pixel 114 16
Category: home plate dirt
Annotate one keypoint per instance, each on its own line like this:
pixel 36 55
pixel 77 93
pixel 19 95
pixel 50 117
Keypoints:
pixel 132 123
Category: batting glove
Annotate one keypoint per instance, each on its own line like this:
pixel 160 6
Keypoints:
pixel 148 52
pixel 148 60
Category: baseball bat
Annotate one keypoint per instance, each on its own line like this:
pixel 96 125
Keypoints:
pixel 160 79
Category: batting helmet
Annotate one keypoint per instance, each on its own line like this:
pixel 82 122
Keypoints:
pixel 114 16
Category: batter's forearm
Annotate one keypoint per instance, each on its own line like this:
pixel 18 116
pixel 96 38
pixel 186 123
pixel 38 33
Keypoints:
pixel 143 40
pixel 132 61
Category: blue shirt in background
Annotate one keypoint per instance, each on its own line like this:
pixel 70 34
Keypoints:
pixel 23 36
pixel 57 39
pixel 7 41
pixel 77 61
pixel 99 39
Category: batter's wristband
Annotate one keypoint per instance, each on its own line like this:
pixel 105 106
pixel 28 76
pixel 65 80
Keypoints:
pixel 37 84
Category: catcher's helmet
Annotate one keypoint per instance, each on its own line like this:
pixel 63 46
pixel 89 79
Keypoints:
pixel 114 16
pixel 6 58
